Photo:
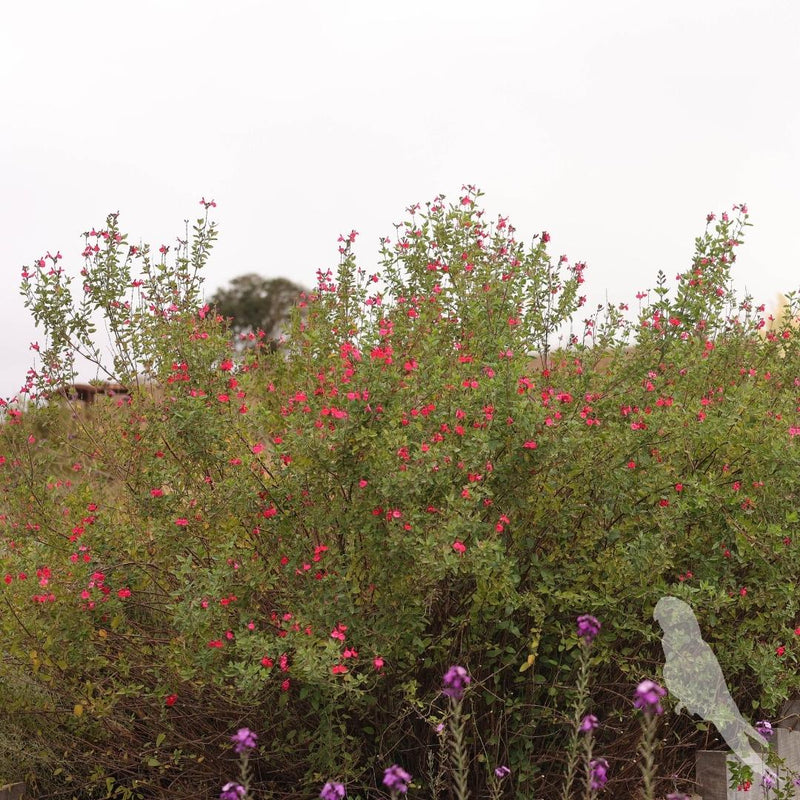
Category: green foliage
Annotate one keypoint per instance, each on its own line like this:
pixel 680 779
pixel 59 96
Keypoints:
pixel 302 542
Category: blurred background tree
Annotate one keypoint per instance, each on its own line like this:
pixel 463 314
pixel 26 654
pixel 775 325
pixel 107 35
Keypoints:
pixel 255 303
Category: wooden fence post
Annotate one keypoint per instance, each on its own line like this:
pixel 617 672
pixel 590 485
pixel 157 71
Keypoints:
pixel 713 775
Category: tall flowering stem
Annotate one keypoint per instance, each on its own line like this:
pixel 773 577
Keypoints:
pixel 648 699
pixel 587 726
pixel 496 782
pixel 588 628
pixel 456 680
pixel 244 742
pixel 647 749
pixel 458 756
pixel 437 763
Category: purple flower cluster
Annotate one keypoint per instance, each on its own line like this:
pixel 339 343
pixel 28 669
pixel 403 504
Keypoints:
pixel 764 727
pixel 588 628
pixel 588 723
pixel 648 697
pixel 244 740
pixel 598 768
pixel 232 791
pixel 456 680
pixel 332 791
pixel 396 779
pixel 501 772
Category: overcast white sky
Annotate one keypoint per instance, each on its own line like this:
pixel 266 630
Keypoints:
pixel 614 125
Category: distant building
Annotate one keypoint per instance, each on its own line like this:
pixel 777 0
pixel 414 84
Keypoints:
pixel 87 392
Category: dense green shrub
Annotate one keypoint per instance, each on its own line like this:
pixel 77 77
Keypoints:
pixel 303 541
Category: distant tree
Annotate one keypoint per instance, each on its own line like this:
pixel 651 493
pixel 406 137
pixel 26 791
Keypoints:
pixel 255 303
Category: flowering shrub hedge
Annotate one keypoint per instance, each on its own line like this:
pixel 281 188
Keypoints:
pixel 301 542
